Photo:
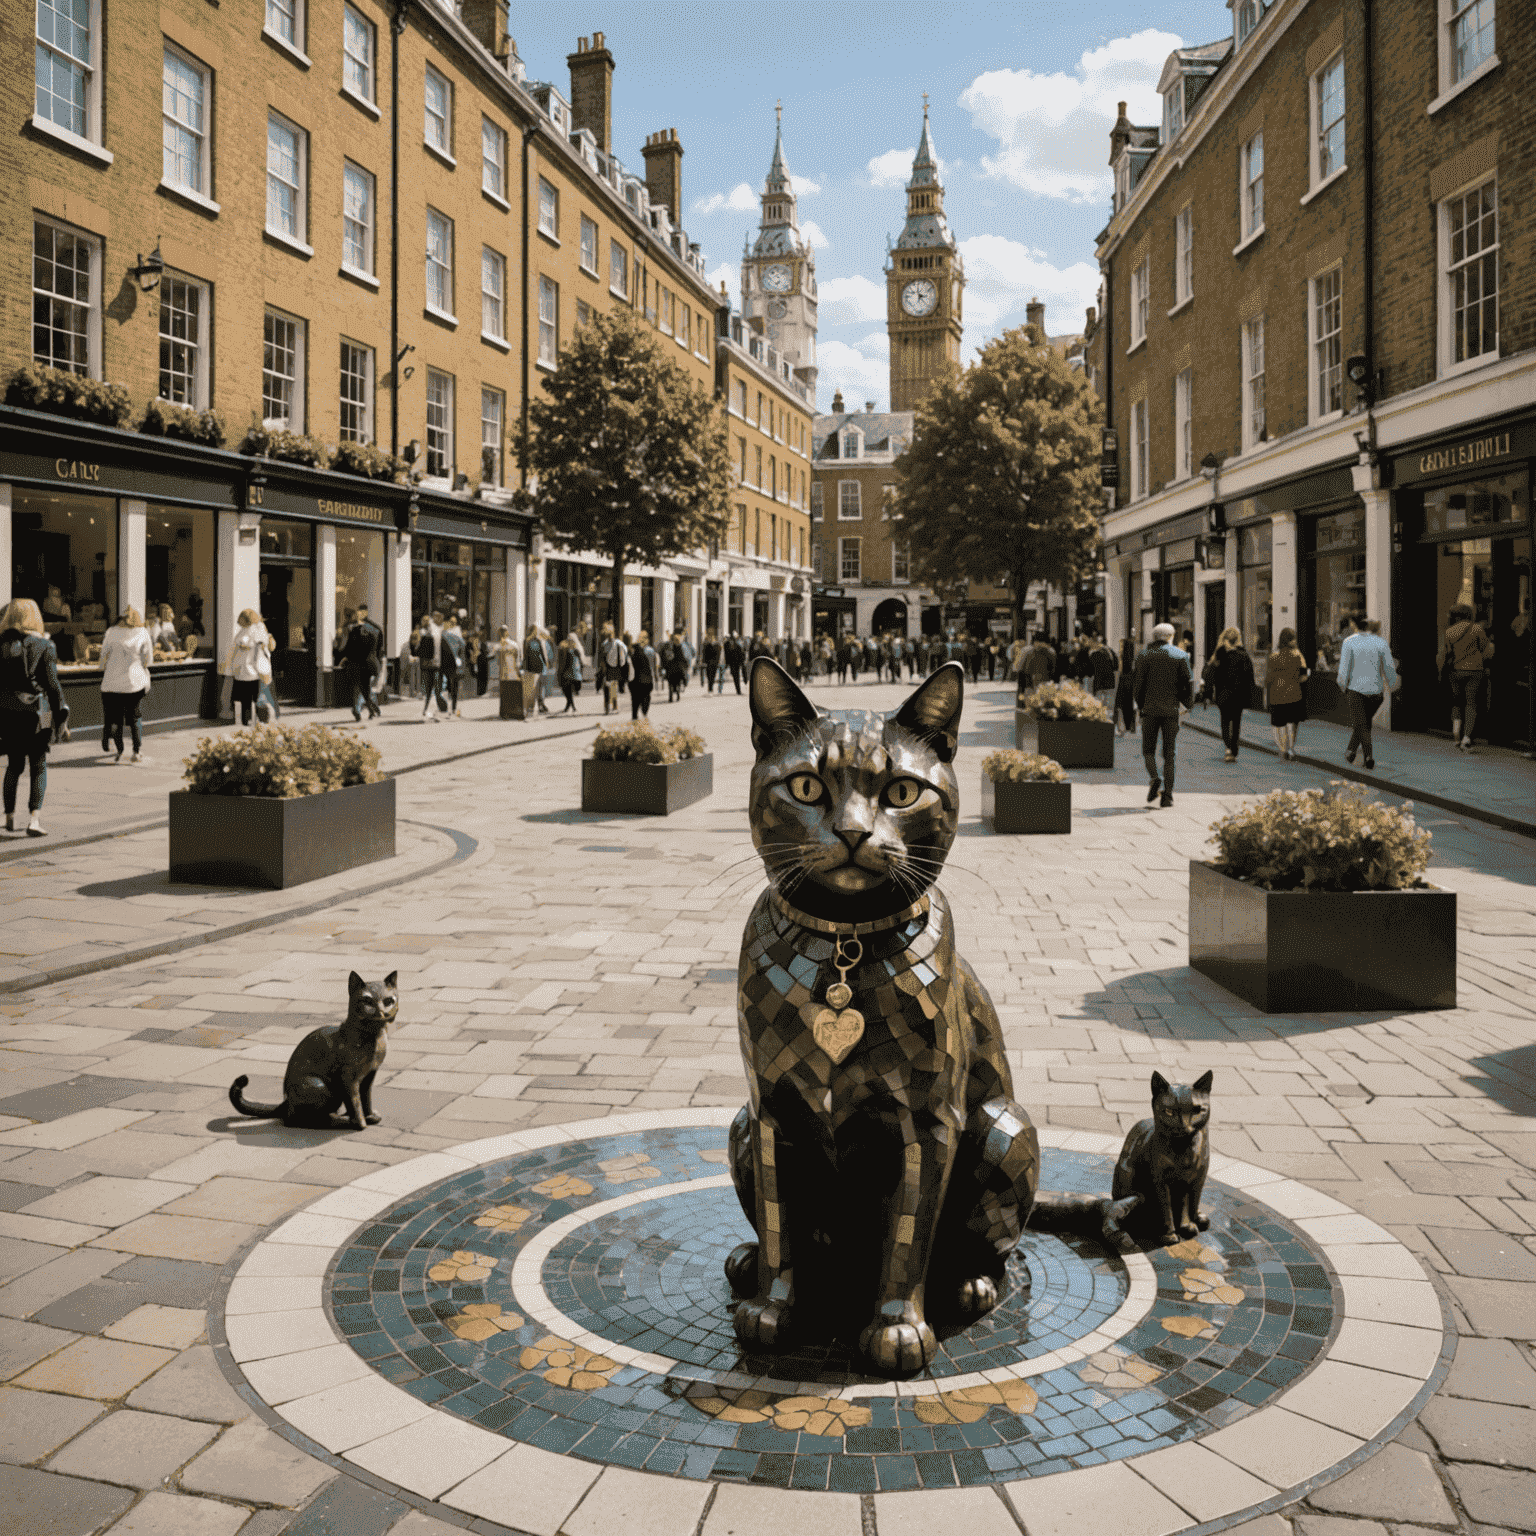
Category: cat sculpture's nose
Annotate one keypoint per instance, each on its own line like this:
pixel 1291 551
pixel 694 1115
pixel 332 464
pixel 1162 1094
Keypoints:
pixel 855 821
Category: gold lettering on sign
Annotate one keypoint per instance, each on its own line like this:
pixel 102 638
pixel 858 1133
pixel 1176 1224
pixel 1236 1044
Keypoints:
pixel 1478 451
pixel 74 469
pixel 352 509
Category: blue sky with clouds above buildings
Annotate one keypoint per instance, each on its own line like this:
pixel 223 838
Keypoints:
pixel 1022 97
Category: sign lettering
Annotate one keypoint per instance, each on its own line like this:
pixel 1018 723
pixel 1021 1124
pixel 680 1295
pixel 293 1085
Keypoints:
pixel 75 469
pixel 353 510
pixel 1478 451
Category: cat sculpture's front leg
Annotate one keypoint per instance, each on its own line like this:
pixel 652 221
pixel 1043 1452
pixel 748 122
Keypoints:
pixel 1193 1219
pixel 763 1321
pixel 365 1094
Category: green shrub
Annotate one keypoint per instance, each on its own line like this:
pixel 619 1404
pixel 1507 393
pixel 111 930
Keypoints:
pixel 63 393
pixel 281 762
pixel 1012 767
pixel 290 447
pixel 1322 840
pixel 1062 701
pixel 163 419
pixel 368 461
pixel 641 742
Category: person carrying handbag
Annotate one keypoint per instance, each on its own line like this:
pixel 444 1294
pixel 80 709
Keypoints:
pixel 243 665
pixel 33 713
pixel 536 660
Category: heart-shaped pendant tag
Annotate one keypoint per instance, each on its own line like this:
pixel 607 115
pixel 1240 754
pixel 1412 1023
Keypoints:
pixel 837 1033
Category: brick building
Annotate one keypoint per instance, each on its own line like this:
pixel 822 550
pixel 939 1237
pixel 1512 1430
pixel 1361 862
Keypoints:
pixel 328 285
pixel 1317 340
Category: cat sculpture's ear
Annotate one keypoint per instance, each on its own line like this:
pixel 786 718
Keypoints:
pixel 1203 1084
pixel 779 710
pixel 355 984
pixel 933 712
pixel 1159 1085
pixel 389 981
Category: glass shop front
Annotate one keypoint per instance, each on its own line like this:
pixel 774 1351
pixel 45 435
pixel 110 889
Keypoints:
pixel 1255 594
pixel 457 576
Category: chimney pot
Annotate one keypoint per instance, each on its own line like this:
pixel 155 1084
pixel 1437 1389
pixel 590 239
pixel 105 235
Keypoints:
pixel 869 405
pixel 1122 104
pixel 597 39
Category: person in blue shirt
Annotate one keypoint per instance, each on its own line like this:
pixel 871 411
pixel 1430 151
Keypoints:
pixel 1366 675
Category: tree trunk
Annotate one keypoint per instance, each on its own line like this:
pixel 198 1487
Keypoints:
pixel 1021 580
pixel 616 598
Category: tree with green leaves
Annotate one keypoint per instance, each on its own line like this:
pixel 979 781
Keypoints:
pixel 630 455
pixel 1002 477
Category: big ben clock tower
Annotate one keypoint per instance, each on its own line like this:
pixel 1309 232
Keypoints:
pixel 778 271
pixel 924 280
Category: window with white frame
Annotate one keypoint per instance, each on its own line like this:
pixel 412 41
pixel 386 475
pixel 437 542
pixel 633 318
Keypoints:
pixel 1467 38
pixel 439 262
pixel 357 53
pixel 1183 424
pixel 739 398
pixel 1327 326
pixel 1141 288
pixel 355 418
pixel 549 209
pixel 1173 111
pixel 285 20
pixel 1184 253
pixel 852 439
pixel 184 341
pixel 183 116
pixel 282 372
pixel 493 159
pixel 438 123
pixel 848 559
pixel 1245 17
pixel 493 291
pixel 66 299
pixel 1328 119
pixel 816 501
pixel 1140 449
pixel 68 39
pixel 664 309
pixel 1252 189
pixel 493 410
pixel 287 151
pixel 1255 430
pixel 816 558
pixel 901 561
pixel 357 191
pixel 618 269
pixel 589 245
pixel 439 424
pixel 549 322
pixel 685 327
pixel 1469 281
pixel 850 505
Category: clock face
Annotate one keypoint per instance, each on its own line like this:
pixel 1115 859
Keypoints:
pixel 919 297
pixel 776 278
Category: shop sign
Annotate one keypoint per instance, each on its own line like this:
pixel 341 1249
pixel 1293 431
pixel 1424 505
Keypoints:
pixel 1472 453
pixel 76 469
pixel 155 482
pixel 278 499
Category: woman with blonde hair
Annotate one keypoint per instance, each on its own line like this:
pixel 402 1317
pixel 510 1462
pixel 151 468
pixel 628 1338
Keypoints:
pixel 1228 678
pixel 243 664
pixel 1284 675
pixel 126 652
pixel 29 685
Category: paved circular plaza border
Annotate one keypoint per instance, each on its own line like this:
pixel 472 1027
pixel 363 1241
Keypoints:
pixel 1387 1352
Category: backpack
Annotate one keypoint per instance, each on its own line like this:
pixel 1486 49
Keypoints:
pixel 19 692
pixel 616 656
pixel 1467 649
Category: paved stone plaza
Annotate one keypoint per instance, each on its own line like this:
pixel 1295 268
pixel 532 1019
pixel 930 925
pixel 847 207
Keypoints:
pixel 501 1309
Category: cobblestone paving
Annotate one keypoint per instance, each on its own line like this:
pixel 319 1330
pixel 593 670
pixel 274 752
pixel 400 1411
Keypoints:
pixel 571 967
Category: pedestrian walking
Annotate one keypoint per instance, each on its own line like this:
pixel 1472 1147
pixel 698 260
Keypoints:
pixel 1464 655
pixel 33 713
pixel 126 652
pixel 674 666
pixel 1228 679
pixel 1101 674
pixel 711 657
pixel 685 645
pixel 361 653
pixel 615 671
pixel 243 665
pixel 480 651
pixel 1161 686
pixel 454 663
pixel 536 660
pixel 1125 698
pixel 429 653
pixel 506 649
pixel 1366 675
pixel 568 671
pixel 1039 664
pixel 735 656
pixel 1284 675
pixel 643 668
pixel 410 663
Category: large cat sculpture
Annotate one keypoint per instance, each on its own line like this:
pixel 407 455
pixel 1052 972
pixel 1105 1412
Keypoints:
pixel 882 1159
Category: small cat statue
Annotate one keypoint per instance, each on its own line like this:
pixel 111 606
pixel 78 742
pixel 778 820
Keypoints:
pixel 881 1160
pixel 333 1067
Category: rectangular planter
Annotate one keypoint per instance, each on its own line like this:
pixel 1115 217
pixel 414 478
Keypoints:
pixel 1035 806
pixel 645 789
pixel 253 841
pixel 1323 951
pixel 519 697
pixel 1072 743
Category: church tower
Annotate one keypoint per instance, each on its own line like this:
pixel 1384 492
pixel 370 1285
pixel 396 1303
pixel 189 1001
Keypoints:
pixel 778 272
pixel 924 281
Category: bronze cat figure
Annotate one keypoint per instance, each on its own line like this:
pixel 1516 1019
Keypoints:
pixel 333 1067
pixel 882 1159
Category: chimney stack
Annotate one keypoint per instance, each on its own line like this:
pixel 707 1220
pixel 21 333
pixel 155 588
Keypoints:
pixel 487 19
pixel 1034 314
pixel 592 90
pixel 837 403
pixel 869 406
pixel 664 172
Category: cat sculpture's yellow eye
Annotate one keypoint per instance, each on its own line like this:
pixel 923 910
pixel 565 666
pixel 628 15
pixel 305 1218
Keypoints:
pixel 902 792
pixel 805 787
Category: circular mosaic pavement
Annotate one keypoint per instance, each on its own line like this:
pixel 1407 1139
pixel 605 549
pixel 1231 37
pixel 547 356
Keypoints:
pixel 563 1291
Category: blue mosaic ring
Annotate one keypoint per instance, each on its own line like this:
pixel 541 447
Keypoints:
pixel 552 1304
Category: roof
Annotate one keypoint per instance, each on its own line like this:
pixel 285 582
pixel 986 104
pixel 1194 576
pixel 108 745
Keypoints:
pixel 879 429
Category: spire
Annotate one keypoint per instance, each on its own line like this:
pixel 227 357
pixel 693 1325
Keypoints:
pixel 779 181
pixel 925 167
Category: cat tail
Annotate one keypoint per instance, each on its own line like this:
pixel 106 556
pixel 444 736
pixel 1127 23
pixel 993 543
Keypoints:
pixel 1054 1211
pixel 257 1111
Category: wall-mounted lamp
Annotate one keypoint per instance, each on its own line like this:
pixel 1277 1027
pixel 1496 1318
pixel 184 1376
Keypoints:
pixel 1358 370
pixel 461 481
pixel 150 269
pixel 412 451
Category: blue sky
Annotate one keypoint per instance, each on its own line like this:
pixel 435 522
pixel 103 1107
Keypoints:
pixel 1022 97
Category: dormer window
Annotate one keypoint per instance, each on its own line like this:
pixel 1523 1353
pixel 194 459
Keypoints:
pixel 1173 112
pixel 851 441
pixel 1246 15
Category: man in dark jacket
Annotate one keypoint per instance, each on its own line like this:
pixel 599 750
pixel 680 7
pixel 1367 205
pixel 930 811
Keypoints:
pixel 1161 686
pixel 735 656
pixel 360 653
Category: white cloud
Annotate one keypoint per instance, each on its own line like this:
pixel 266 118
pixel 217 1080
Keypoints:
pixel 812 232
pixel 804 186
pixel 892 169
pixel 1002 276
pixel 876 341
pixel 740 199
pixel 842 300
pixel 845 368
pixel 1053 130
pixel 727 275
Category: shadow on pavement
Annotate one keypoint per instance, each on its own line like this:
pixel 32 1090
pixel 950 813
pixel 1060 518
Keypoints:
pixel 151 881
pixel 1510 1080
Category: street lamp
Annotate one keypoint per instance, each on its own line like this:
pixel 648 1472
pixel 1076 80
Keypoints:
pixel 1216 514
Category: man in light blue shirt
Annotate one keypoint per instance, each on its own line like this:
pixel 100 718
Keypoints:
pixel 1366 675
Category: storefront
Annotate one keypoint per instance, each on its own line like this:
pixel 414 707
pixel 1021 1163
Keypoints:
pixel 1256 593
pixel 832 611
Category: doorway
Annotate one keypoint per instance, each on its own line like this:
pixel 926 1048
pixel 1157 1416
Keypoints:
pixel 287 585
pixel 1214 607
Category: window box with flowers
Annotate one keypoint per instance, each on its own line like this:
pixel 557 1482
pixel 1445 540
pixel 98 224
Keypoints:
pixel 639 770
pixel 275 806
pixel 1066 723
pixel 1316 903
pixel 1025 792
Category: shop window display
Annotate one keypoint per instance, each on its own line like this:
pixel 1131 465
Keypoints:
pixel 451 576
pixel 1334 564
pixel 179 559
pixel 288 605
pixel 359 580
pixel 1255 594
pixel 64 557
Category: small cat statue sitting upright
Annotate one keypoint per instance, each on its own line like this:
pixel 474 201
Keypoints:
pixel 333 1067
pixel 1163 1165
